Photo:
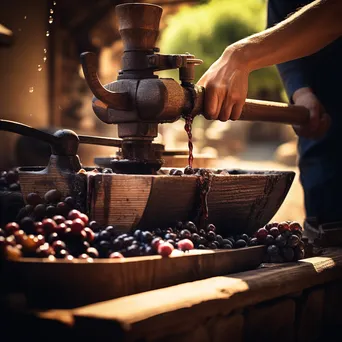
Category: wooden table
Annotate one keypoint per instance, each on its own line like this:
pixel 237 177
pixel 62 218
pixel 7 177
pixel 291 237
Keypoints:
pixel 298 301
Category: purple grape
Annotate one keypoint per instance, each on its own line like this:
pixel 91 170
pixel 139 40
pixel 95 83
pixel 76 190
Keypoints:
pixel 269 240
pixel 288 253
pixel 293 241
pixel 272 250
pixel 280 241
pixel 240 243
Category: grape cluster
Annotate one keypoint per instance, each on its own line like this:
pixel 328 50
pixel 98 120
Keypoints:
pixel 51 204
pixel 53 227
pixel 9 181
pixel 57 237
pixel 195 171
pixel 283 240
pixel 183 236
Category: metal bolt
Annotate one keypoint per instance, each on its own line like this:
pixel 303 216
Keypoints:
pixel 152 60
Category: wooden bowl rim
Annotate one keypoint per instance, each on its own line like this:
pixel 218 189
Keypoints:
pixel 100 261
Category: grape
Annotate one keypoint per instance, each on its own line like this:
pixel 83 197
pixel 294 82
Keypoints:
pixel 240 243
pixel 272 250
pixel 269 240
pixel 190 226
pixel 165 249
pixel 283 226
pixel 53 196
pixel 293 241
pixel 261 234
pixel 288 253
pixel 280 241
pixel 274 231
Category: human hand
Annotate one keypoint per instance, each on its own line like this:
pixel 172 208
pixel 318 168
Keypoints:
pixel 226 85
pixel 319 119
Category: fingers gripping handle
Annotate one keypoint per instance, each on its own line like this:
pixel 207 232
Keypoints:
pixel 266 111
pixel 263 111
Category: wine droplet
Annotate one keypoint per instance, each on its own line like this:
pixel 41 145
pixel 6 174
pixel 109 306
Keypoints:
pixel 31 90
pixel 51 11
pixel 54 3
pixel 50 20
pixel 25 17
pixel 45 51
pixel 40 67
pixel 44 59
pixel 19 29
pixel 47 33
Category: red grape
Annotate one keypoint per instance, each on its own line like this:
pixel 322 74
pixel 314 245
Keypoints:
pixel 77 225
pixel 165 249
pixel 49 225
pixel 116 255
pixel 59 219
pixel 74 214
pixel 11 227
pixel 84 218
pixel 283 226
pixel 185 245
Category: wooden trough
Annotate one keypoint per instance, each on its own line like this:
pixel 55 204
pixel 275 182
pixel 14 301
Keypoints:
pixel 62 283
pixel 242 201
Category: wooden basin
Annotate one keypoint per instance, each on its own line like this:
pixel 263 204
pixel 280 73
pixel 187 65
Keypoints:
pixel 63 283
pixel 242 201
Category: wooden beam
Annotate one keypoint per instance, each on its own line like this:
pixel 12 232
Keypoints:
pixel 155 314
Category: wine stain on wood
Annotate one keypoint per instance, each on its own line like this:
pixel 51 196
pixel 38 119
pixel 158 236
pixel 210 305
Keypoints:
pixel 107 197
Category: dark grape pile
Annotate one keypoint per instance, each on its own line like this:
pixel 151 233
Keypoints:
pixel 54 227
pixel 38 208
pixel 283 240
pixel 50 226
pixel 183 236
pixel 195 171
pixel 9 181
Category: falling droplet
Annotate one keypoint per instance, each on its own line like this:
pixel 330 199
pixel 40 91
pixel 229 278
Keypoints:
pixel 31 90
pixel 45 51
pixel 50 20
pixel 19 29
pixel 40 67
pixel 51 11
pixel 30 114
pixel 25 17
pixel 47 33
pixel 44 59
pixel 54 3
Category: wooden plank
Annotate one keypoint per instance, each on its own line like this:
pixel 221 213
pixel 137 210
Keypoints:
pixel 239 202
pixel 118 199
pixel 271 322
pixel 222 329
pixel 156 313
pixel 310 315
pixel 72 284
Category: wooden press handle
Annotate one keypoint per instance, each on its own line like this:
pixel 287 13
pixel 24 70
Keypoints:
pixel 266 111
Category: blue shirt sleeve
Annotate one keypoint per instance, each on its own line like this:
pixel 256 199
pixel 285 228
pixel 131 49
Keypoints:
pixel 293 72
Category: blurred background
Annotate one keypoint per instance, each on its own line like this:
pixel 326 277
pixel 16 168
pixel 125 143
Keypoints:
pixel 42 84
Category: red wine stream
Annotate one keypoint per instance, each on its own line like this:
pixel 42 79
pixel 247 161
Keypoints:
pixel 204 177
pixel 188 126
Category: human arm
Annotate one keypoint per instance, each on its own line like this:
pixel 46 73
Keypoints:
pixel 303 33
pixel 296 76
